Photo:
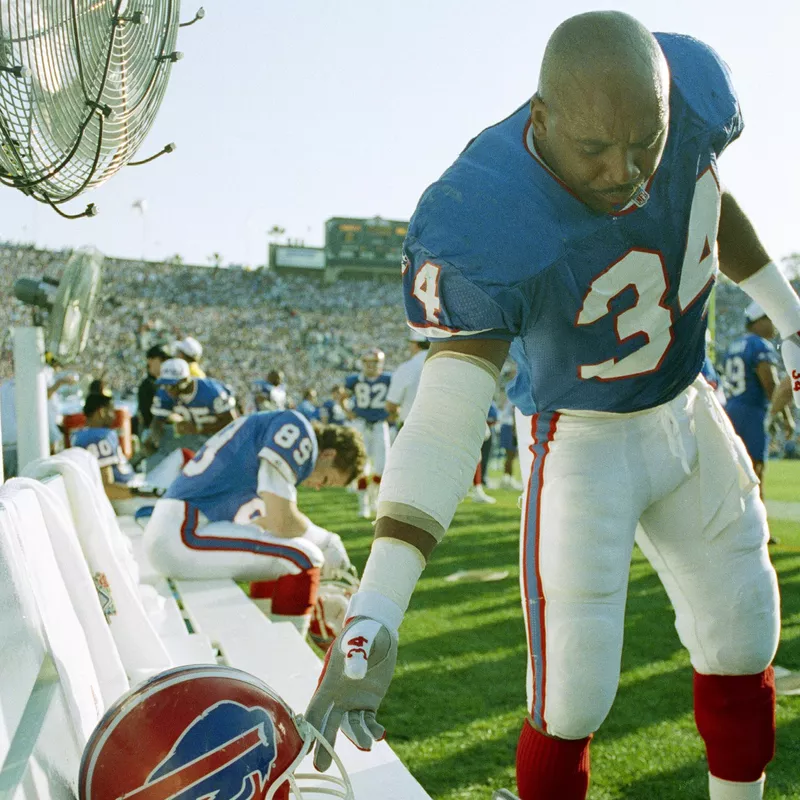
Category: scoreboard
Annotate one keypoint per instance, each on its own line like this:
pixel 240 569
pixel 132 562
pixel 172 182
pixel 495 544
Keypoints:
pixel 374 243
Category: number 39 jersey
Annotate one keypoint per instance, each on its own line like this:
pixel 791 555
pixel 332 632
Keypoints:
pixel 741 379
pixel 605 311
pixel 222 479
pixel 369 396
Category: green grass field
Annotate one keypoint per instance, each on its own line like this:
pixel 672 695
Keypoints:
pixel 458 697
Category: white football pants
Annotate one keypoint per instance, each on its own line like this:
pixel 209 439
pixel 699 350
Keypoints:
pixel 376 441
pixel 181 543
pixel 678 479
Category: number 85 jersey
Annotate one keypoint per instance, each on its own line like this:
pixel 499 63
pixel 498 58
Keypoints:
pixel 222 479
pixel 605 311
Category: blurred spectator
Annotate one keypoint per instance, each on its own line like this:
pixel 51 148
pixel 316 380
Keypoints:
pixel 146 393
pixel 191 351
pixel 308 405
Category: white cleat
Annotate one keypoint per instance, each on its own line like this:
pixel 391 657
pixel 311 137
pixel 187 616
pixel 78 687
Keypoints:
pixel 509 482
pixel 504 794
pixel 478 495
pixel 364 506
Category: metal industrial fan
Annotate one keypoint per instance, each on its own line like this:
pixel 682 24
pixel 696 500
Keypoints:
pixel 63 311
pixel 68 304
pixel 80 84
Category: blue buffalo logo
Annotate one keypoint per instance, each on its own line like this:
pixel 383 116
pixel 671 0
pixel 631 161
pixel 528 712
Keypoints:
pixel 224 754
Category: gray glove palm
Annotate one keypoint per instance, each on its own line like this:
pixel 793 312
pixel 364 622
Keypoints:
pixel 357 672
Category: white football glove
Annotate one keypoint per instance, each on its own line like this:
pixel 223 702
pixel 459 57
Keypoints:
pixel 337 562
pixel 790 350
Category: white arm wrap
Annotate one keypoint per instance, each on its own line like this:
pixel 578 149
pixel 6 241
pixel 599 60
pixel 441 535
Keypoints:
pixel 773 292
pixel 431 463
pixel 389 578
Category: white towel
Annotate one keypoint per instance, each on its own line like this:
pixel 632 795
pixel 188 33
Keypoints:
pixel 108 553
pixel 81 588
pixel 26 542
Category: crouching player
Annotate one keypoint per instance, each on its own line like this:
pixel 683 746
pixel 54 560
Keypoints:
pixel 232 513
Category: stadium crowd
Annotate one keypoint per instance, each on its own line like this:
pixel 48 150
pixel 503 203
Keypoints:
pixel 249 322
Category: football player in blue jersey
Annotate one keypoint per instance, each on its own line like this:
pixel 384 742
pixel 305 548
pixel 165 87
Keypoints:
pixel 232 512
pixel 367 390
pixel 102 441
pixel 332 410
pixel 582 231
pixel 308 405
pixel 199 407
pixel 270 394
pixel 751 377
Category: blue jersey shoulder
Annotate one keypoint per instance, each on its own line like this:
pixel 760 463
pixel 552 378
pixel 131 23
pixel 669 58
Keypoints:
pixel 704 82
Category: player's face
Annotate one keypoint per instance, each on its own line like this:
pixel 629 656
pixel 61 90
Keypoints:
pixel 326 475
pixel 372 367
pixel 179 388
pixel 604 148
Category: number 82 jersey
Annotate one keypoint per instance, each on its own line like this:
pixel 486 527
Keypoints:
pixel 605 311
pixel 369 396
pixel 222 479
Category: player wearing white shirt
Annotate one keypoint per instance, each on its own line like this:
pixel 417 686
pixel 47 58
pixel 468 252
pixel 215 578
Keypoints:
pixel 405 379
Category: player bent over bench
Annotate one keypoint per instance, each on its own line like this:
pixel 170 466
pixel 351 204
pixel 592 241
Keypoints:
pixel 232 513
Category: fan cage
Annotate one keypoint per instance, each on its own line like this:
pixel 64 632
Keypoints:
pixel 80 84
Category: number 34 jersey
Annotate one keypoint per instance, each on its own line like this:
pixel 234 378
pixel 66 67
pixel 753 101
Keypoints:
pixel 605 311
pixel 222 479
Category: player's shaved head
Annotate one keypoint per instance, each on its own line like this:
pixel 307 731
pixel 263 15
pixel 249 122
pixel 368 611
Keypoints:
pixel 603 84
pixel 604 51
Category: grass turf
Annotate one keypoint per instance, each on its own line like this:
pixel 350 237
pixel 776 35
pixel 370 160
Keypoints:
pixel 458 697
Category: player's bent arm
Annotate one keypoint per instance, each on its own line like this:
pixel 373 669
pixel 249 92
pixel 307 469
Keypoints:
pixel 428 471
pixel 221 421
pixel 283 518
pixel 768 377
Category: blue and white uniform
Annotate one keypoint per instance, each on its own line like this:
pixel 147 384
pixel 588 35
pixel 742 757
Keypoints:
pixel 202 527
pixel 606 315
pixel 332 413
pixel 103 444
pixel 268 396
pixel 748 403
pixel 368 397
pixel 207 402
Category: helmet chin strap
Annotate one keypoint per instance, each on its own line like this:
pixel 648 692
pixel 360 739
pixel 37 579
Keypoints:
pixel 338 787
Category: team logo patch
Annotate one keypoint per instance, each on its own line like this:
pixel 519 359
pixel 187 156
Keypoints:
pixel 104 594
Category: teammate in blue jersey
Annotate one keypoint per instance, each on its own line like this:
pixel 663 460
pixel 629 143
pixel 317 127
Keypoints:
pixel 270 394
pixel 367 391
pixel 232 513
pixel 582 232
pixel 199 407
pixel 751 377
pixel 332 410
pixel 102 441
pixel 308 405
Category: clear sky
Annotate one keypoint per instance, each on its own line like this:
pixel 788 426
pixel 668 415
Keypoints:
pixel 289 112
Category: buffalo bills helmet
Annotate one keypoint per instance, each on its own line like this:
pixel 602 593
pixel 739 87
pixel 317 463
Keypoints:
pixel 204 730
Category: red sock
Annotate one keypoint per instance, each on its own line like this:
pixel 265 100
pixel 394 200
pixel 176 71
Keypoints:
pixel 292 595
pixel 550 768
pixel 476 481
pixel 362 483
pixel 376 479
pixel 735 715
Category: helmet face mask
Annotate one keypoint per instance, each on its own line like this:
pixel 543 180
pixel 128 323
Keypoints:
pixel 203 730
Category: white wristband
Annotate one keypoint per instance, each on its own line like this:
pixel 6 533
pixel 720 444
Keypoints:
pixel 389 579
pixel 773 292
